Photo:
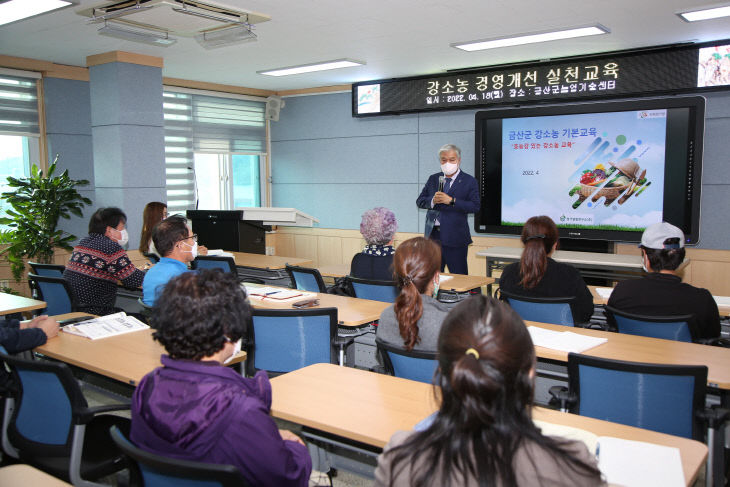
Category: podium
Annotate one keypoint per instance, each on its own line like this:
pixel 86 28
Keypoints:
pixel 268 215
pixel 243 229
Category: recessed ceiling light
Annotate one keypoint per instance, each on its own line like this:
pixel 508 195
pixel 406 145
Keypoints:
pixel 518 39
pixel 705 14
pixel 14 10
pixel 308 68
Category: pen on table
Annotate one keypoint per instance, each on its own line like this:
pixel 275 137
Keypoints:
pixel 272 292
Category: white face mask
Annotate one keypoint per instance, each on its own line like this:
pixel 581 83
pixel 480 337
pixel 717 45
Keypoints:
pixel 124 237
pixel 449 168
pixel 236 349
pixel 193 250
pixel 436 288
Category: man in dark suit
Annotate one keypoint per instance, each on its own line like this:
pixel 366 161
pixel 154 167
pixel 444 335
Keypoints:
pixel 447 209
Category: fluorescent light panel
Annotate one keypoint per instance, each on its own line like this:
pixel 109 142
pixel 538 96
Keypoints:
pixel 531 38
pixel 22 9
pixel 705 14
pixel 308 68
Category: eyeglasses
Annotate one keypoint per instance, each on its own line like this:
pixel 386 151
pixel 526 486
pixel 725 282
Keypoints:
pixel 193 236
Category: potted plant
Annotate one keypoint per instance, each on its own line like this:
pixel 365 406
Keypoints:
pixel 38 202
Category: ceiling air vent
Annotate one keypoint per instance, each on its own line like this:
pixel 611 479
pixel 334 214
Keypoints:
pixel 154 21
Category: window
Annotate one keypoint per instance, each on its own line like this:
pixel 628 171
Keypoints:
pixel 19 130
pixel 227 181
pixel 215 147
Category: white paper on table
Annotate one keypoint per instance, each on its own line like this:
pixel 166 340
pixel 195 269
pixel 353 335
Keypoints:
pixel 636 463
pixel 590 440
pixel 722 300
pixel 604 292
pixel 443 278
pixel 565 341
pixel 106 326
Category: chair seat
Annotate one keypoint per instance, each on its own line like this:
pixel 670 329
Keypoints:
pixel 103 459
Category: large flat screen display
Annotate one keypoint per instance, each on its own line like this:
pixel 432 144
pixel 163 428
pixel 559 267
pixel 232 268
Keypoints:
pixel 599 170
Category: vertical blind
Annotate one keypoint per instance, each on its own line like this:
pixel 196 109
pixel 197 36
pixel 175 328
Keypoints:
pixel 18 106
pixel 203 123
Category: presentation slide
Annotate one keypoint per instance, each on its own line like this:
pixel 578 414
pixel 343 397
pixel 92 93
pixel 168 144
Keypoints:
pixel 597 170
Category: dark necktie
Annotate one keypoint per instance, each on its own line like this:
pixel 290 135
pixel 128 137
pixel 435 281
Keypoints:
pixel 447 186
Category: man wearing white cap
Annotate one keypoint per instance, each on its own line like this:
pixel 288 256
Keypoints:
pixel 661 291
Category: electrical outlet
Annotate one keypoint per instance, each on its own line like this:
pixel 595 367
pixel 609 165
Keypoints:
pixel 269 250
pixel 4 283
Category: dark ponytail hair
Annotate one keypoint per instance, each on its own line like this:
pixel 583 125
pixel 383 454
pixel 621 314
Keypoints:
pixel 538 236
pixel 415 263
pixel 486 358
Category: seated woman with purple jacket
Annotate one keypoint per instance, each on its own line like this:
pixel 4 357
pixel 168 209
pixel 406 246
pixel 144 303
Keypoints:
pixel 196 408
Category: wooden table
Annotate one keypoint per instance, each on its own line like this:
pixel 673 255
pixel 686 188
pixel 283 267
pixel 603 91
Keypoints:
pixel 336 399
pixel 621 346
pixel 458 283
pixel 350 311
pixel 126 358
pixel 9 303
pixel 21 474
pixel 259 261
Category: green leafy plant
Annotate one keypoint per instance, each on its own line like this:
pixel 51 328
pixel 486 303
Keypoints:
pixel 38 202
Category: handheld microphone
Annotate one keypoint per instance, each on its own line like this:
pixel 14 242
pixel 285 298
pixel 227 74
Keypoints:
pixel 441 183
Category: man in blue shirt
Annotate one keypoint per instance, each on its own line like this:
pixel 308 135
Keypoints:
pixel 178 246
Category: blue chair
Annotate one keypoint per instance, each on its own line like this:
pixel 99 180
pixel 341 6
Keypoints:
pixel 306 279
pixel 664 398
pixel 373 289
pixel 160 471
pixel 558 311
pixel 676 328
pixel 414 365
pixel 56 292
pixel 226 264
pixel 282 340
pixel 48 424
pixel 50 270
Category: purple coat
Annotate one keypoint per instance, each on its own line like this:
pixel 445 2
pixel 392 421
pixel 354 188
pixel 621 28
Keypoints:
pixel 206 412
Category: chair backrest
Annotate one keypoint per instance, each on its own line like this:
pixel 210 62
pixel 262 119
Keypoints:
pixel 153 258
pixel 306 279
pixel 385 291
pixel 227 264
pixel 48 398
pixel 658 397
pixel 282 340
pixel 160 471
pixel 668 327
pixel 414 365
pixel 51 270
pixel 56 292
pixel 558 311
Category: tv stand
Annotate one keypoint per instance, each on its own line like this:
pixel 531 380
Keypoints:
pixel 585 245
pixel 612 267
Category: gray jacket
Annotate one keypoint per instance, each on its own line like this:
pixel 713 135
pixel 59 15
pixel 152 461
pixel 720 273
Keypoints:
pixel 429 325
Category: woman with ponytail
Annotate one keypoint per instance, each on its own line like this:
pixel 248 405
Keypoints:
pixel 414 321
pixel 539 276
pixel 483 434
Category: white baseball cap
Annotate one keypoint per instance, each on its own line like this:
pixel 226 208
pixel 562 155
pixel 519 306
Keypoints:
pixel 655 235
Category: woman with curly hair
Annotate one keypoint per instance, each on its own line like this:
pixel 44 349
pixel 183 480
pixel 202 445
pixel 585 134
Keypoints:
pixel 378 226
pixel 414 320
pixel 194 407
pixel 483 432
